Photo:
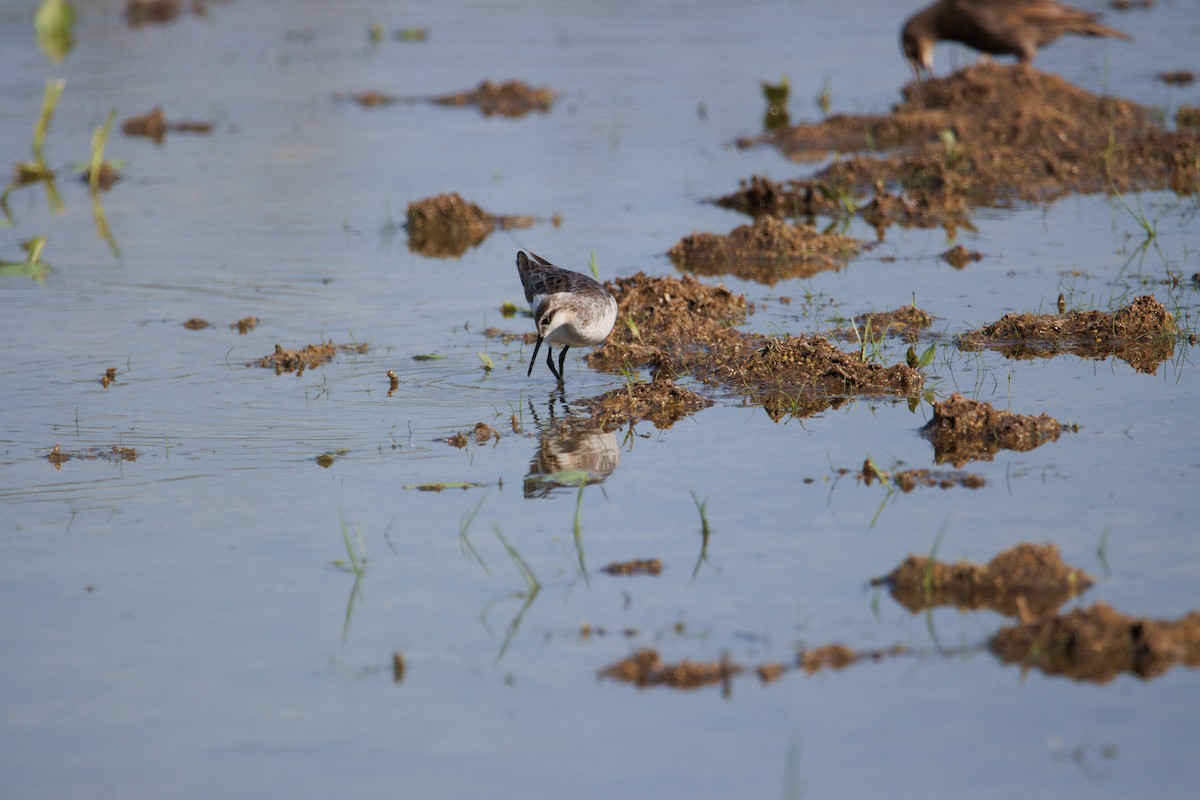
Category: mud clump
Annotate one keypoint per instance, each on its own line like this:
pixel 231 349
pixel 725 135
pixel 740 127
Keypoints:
pixel 661 401
pixel 766 251
pixel 684 326
pixel 965 430
pixel 1142 334
pixel 154 126
pixel 988 135
pixel 1179 77
pixel 646 668
pixel 197 324
pixel 838 656
pixel 639 566
pixel 309 357
pixel 244 325
pixel 508 99
pixel 1025 580
pixel 446 226
pixel 114 453
pixel 959 256
pixel 1098 643
pixel 794 198
pixel 907 321
pixel 908 479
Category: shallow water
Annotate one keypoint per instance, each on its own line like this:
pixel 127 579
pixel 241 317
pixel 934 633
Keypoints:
pixel 183 625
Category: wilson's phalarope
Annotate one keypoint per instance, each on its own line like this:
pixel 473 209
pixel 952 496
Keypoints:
pixel 569 309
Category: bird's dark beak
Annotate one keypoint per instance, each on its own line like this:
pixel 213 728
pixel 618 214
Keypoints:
pixel 533 360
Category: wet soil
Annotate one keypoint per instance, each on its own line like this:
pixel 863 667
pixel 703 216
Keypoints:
pixel 509 99
pixel 155 126
pixel 984 136
pixel 1098 643
pixel 1143 334
pixel 838 656
pixel 907 321
pixel 308 357
pixel 964 430
pixel 1187 116
pixel 766 251
pixel 679 325
pixel 1029 579
pixel 959 256
pixel 645 668
pixel 640 566
pixel 660 401
pixel 244 325
pixel 481 434
pixel 446 226
pixel 908 479
pixel 57 456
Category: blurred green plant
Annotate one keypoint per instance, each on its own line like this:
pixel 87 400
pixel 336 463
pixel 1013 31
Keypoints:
pixel 53 23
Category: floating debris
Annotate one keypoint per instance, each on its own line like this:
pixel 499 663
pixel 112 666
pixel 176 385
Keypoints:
pixel 197 324
pixel 310 356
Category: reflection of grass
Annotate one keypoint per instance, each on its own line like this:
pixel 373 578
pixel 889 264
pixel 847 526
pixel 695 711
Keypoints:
pixel 97 163
pixel 705 531
pixel 32 266
pixel 357 565
pixel 465 542
pixel 533 586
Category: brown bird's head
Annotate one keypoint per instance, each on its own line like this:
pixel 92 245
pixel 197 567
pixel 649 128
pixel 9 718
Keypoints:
pixel 917 39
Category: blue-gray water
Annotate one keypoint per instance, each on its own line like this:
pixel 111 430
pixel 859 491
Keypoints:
pixel 176 626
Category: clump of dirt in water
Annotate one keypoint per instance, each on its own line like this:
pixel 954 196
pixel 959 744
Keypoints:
pixel 985 136
pixel 1024 580
pixel 839 656
pixel 965 430
pixel 1098 643
pixel 646 668
pixel 114 453
pixel 639 566
pixel 683 326
pixel 906 321
pixel 908 479
pixel 447 225
pixel 765 251
pixel 959 256
pixel 1143 334
pixel 155 126
pixel 661 401
pixel 308 357
pixel 509 99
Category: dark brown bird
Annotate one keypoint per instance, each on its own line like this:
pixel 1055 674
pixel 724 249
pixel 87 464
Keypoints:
pixel 998 27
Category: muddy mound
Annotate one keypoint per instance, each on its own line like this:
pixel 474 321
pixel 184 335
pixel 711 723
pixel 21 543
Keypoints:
pixel 446 225
pixel 965 430
pixel 661 402
pixel 509 99
pixel 986 135
pixel 765 251
pixel 1027 579
pixel 1143 334
pixel 1099 643
pixel 683 326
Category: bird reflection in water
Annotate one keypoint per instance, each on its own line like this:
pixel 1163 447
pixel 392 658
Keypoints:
pixel 571 452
